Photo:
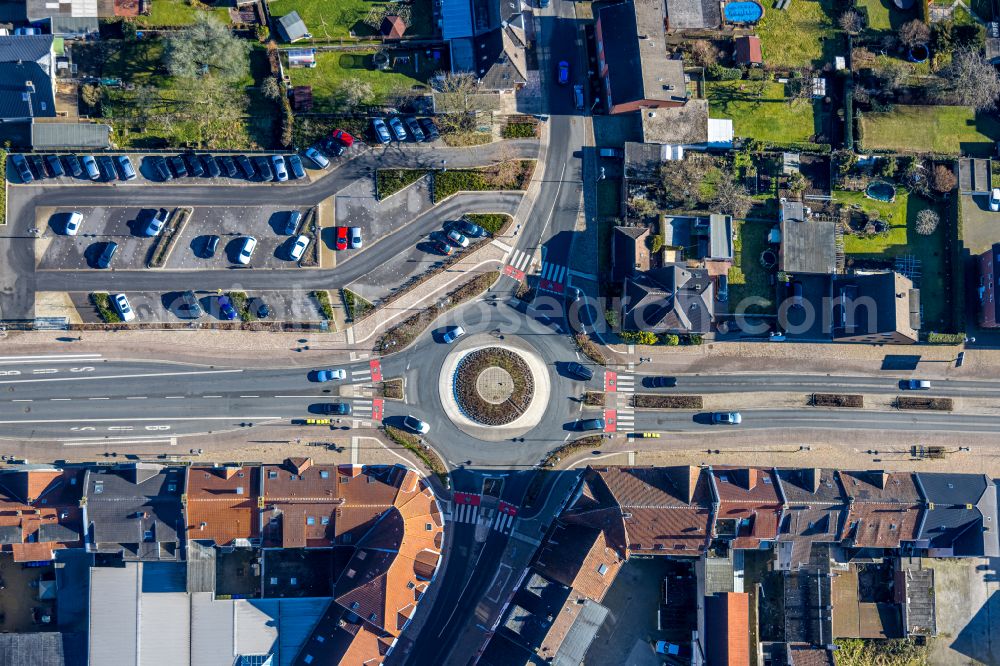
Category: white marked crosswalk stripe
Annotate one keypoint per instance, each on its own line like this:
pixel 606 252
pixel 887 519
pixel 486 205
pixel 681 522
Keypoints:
pixel 519 260
pixel 466 513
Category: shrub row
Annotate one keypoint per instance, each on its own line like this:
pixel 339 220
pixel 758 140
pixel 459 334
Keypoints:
pixel 945 338
pixel 357 307
pixel 656 401
pixel 588 442
pixel 411 443
pixel 593 399
pixel 519 130
pixel 668 339
pixel 493 223
pixel 937 404
pixel 390 181
pixel 511 175
pixel 590 348
pixel 242 305
pixel 102 301
pixel 322 297
pixel 171 232
pixel 836 400
pixel 392 389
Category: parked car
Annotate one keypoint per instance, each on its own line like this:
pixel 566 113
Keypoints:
pixel 341 238
pixel 280 172
pixel 90 166
pixel 262 310
pixel 298 247
pixel 292 222
pixel 329 375
pixel 195 167
pixel 589 424
pixel 295 166
pixel 336 408
pixel 354 234
pixel 211 245
pixel 177 166
pixel 457 239
pixel 416 425
pixel 226 309
pixel 918 384
pixel 660 382
pixel 443 248
pixel 727 418
pixel 563 72
pixel 317 157
pixel 73 164
pixel 159 166
pixel 415 129
pixel 613 153
pixel 398 131
pixel 73 223
pixel 228 166
pixel 264 167
pixel 23 170
pixel 246 250
pixel 37 165
pixel 797 294
pixel 123 307
pixel 154 225
pixel 579 371
pixel 430 129
pixel 453 333
pixel 189 307
pixel 55 166
pixel 107 167
pixel 211 166
pixel 104 260
pixel 579 100
pixel 334 147
pixel 343 137
pixel 470 229
pixel 125 165
pixel 246 166
pixel 995 199
pixel 381 131
pixel 722 289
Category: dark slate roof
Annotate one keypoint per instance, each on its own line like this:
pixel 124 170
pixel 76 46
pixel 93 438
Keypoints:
pixel 895 299
pixel 63 136
pixel 57 532
pixel 42 649
pixel 961 513
pixel 124 503
pixel 533 609
pixel 10 534
pixel 16 100
pixel 25 48
pixel 499 60
pixel 673 298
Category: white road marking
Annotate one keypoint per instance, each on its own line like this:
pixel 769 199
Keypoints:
pixel 173 397
pixel 136 397
pixel 249 396
pixel 69 358
pixel 172 441
pixel 159 418
pixel 98 398
pixel 21 400
pixel 298 396
pixel 44 371
pixel 154 374
pixel 211 396
pixel 60 399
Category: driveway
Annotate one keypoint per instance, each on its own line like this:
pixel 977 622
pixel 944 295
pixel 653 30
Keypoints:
pixel 980 225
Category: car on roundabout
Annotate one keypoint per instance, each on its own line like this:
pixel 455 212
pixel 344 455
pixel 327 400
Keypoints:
pixel 411 422
pixel 453 333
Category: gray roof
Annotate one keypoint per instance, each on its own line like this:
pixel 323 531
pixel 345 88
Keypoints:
pixel 58 136
pixel 73 26
pixel 962 513
pixel 686 14
pixel 114 593
pixel 643 160
pixel 672 299
pixel 18 99
pixel 678 125
pixel 200 566
pixel 38 10
pixel 10 534
pixel 47 648
pixel 57 532
pixel 456 19
pixel 638 66
pixel 501 63
pixel 583 632
pixel 25 48
pixel 894 298
pixel 721 234
pixel 463 57
pixel 808 247
pixel 292 27
pixel 135 509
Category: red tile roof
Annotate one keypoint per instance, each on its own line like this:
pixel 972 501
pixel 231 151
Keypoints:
pixel 884 508
pixel 37 503
pixel 727 631
pixel 222 503
pixel 749 497
pixel 579 557
pixel 748 50
pixel 393 27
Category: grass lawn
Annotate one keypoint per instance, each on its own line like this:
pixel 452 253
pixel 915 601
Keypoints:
pixel 747 277
pixel 940 129
pixel 177 12
pixel 333 67
pixel 902 239
pixel 884 15
pixel 801 36
pixel 768 117
pixel 337 19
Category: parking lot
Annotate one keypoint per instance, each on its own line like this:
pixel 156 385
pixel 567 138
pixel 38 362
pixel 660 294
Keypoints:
pixel 162 307
pixel 58 251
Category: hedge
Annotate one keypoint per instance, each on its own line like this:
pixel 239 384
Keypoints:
pixel 392 389
pixel 108 312
pixel 590 348
pixel 519 130
pixel 491 222
pixel 3 192
pixel 588 442
pixel 945 338
pixel 655 401
pixel 849 115
pixel 837 400
pixel 505 176
pixel 241 305
pixel 390 181
pixel 357 307
pixel 322 297
pixel 937 404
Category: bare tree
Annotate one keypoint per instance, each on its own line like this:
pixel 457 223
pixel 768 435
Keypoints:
pixel 893 74
pixel 914 32
pixel 927 222
pixel 270 88
pixel 681 180
pixel 207 47
pixel 851 22
pixel 943 179
pixel 352 93
pixel 974 81
pixel 731 197
pixel 703 53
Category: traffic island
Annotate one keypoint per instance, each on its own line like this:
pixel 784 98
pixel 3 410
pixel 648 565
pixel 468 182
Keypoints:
pixel 493 386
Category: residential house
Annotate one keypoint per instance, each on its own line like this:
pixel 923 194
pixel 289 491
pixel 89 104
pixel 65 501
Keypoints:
pixel 134 510
pixel 875 308
pixel 988 264
pixel 673 299
pixel 292 28
pixel 693 14
pixel 221 505
pixel 489 38
pixel 961 516
pixel 815 505
pixel 629 252
pixel 727 620
pixel 579 557
pixel 27 77
pixel 633 66
pixel 807 245
pixel 748 505
pixel 885 509
pixel 746 51
pixel 39 511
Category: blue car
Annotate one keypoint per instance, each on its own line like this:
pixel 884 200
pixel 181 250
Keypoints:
pixel 155 223
pixel 23 170
pixel 329 375
pixel 125 165
pixel 381 131
pixel 226 309
pixel 295 166
pixel 452 334
pixel 563 72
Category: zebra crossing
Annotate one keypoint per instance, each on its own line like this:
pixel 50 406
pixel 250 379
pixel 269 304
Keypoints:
pixel 502 523
pixel 553 272
pixel 623 398
pixel 362 375
pixel 465 513
pixel 519 260
pixel 470 515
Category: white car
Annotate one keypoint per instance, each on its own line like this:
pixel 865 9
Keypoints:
pixel 298 247
pixel 995 199
pixel 249 245
pixel 73 223
pixel 416 425
pixel 124 309
pixel 455 238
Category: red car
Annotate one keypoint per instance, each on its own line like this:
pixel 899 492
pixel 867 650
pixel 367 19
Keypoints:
pixel 341 238
pixel 343 137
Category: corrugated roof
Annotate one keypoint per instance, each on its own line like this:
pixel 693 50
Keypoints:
pixel 114 624
pixel 52 136
pixel 25 48
pixel 43 648
pixel 456 19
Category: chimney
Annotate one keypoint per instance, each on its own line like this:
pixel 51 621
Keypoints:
pixel 748 477
pixel 813 476
pixel 30 86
